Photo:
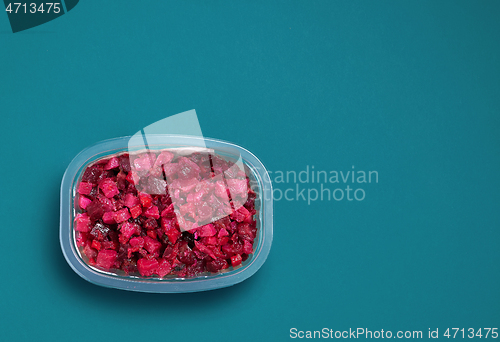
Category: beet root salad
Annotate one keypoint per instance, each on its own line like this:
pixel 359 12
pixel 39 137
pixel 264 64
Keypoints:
pixel 165 214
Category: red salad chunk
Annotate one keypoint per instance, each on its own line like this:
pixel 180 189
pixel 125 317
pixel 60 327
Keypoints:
pixel 164 214
pixel 106 258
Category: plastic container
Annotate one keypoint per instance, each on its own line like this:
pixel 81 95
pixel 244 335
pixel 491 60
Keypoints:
pixel 262 244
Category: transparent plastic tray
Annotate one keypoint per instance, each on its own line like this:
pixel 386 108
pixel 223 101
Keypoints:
pixel 259 178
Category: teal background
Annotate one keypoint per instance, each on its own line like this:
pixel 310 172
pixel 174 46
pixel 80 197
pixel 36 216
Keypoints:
pixel 410 89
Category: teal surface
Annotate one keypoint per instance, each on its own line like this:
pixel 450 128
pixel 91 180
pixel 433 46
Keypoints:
pixel 410 89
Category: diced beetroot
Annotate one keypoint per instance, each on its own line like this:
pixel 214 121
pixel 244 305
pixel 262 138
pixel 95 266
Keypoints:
pixel 129 265
pixel 146 199
pixel 247 247
pixel 185 184
pixel 110 245
pixel 152 246
pixel 221 190
pixel 99 231
pixel 106 258
pixel 196 269
pixel 113 163
pixel 235 238
pixel 109 188
pixel 172 234
pixel 237 248
pixel 82 223
pixel 170 252
pixel 96 244
pixel 181 273
pixel 156 171
pixel 133 177
pixel 117 204
pixel 152 212
pixel 186 255
pixel 200 255
pixel 222 232
pixel 92 174
pixel 131 201
pixel 207 230
pixel 124 161
pixel 232 226
pixel 85 188
pixel 164 268
pixel 186 225
pixel 164 158
pixel 228 249
pixel 121 215
pixel 187 168
pixel 219 253
pixel 108 217
pixel 237 186
pixel 136 211
pixel 160 235
pixel 150 224
pixel 245 231
pixel 223 240
pixel 90 252
pixel 94 209
pixel 250 203
pixel 195 196
pixel 191 238
pixel 127 229
pixel 106 203
pixel 156 186
pixel 147 267
pixel 202 248
pixel 143 252
pixel 136 242
pixel 169 211
pixel 83 202
pixel 216 265
pixel 211 240
pixel 131 188
pixel 168 223
pixel 204 211
pixel 223 223
pixel 143 163
pixel 151 234
pixel 132 250
pixel 187 209
pixel 241 214
pixel 81 239
pixel 236 260
pixel 121 181
pixel 170 169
